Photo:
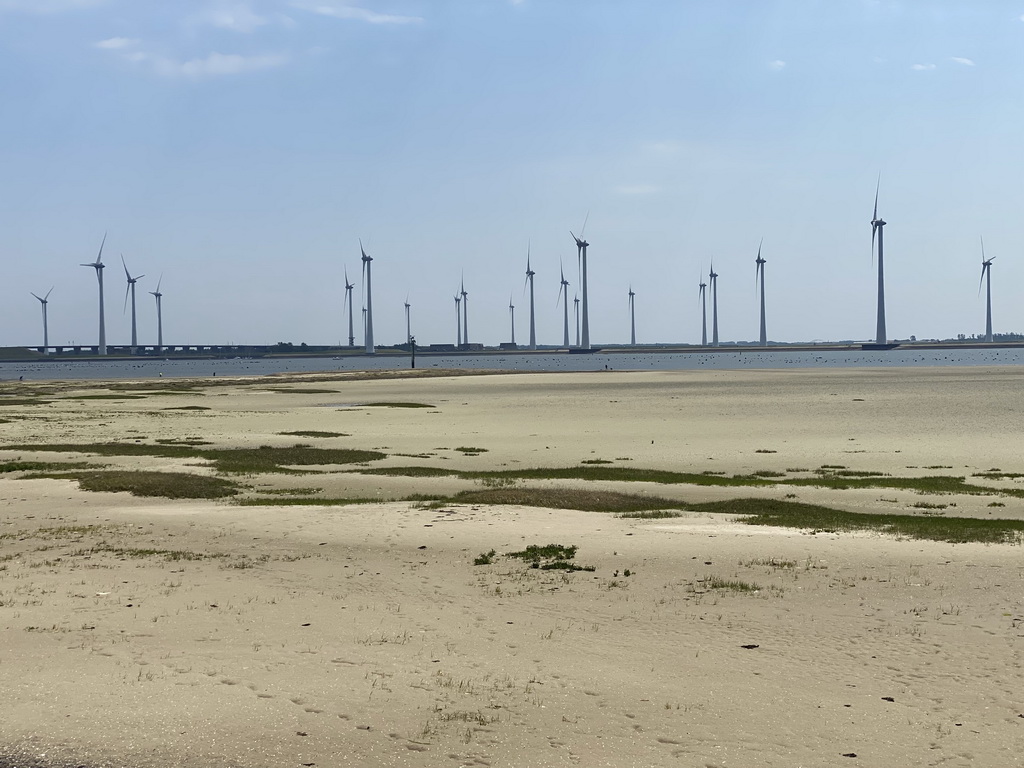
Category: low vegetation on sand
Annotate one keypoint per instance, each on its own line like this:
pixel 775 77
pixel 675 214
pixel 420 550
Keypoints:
pixel 169 485
pixel 550 557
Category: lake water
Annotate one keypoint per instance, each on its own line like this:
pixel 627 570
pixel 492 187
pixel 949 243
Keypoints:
pixel 617 360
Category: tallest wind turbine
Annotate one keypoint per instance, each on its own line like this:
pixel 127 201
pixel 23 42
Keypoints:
pixel 713 279
pixel 368 333
pixel 99 266
pixel 759 273
pixel 876 229
pixel 986 272
pixel 581 257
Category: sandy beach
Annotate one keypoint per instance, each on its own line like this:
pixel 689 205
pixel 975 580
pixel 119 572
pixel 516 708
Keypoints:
pixel 149 631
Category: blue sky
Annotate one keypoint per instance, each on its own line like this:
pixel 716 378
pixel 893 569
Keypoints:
pixel 240 148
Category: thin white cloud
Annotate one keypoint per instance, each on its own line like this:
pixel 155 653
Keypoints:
pixel 214 65
pixel 235 16
pixel 346 11
pixel 778 65
pixel 961 60
pixel 116 43
pixel 923 67
pixel 47 6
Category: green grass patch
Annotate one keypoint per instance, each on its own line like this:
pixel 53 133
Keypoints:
pixel 397 405
pixel 730 585
pixel 563 498
pixel 303 501
pixel 234 460
pixel 314 433
pixel 4 400
pixel 187 408
pixel 182 441
pixel 168 485
pixel 564 565
pixel 470 449
pixel 997 475
pixel 104 397
pixel 485 558
pixel 654 514
pixel 595 461
pixel 44 466
pixel 792 514
pixel 546 552
pixel 302 391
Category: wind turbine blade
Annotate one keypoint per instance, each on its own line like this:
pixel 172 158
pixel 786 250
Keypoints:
pixel 126 292
pixel 36 296
pixel 48 293
pixel 585 220
pixel 99 256
pixel 874 230
pixel 878 184
pixel 982 250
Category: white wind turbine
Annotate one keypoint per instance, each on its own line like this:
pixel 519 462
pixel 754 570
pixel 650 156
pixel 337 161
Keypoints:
pixel 759 274
pixel 99 267
pixel 367 260
pixel 632 317
pixel 348 301
pixel 581 258
pixel 408 325
pixel 43 301
pixel 703 296
pixel 529 281
pixel 458 320
pixel 713 278
pixel 159 317
pixel 131 289
pixel 563 296
pixel 576 307
pixel 877 229
pixel 986 272
pixel 465 314
pixel 512 315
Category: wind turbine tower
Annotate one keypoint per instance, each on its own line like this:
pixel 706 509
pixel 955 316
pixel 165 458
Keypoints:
pixel 348 300
pixel 703 313
pixel 458 320
pixel 632 317
pixel 713 279
pixel 465 314
pixel 512 314
pixel 98 266
pixel 131 289
pixel 563 296
pixel 408 326
pixel 576 307
pixel 581 257
pixel 533 320
pixel 367 261
pixel 43 301
pixel 759 274
pixel 986 272
pixel 877 229
pixel 159 317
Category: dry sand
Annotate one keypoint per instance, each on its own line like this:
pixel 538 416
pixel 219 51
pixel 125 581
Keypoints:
pixel 364 635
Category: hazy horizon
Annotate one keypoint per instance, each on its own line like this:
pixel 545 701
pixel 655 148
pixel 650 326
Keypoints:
pixel 240 149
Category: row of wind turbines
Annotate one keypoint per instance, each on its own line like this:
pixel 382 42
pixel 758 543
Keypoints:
pixel 581 308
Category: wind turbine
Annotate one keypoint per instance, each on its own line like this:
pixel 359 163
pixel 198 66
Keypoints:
pixel 713 279
pixel 632 317
pixel 348 300
pixel 367 260
pixel 465 314
pixel 159 317
pixel 131 289
pixel 986 272
pixel 458 320
pixel 43 301
pixel 533 322
pixel 408 327
pixel 99 266
pixel 563 296
pixel 702 295
pixel 576 307
pixel 759 273
pixel 581 258
pixel 512 313
pixel 876 229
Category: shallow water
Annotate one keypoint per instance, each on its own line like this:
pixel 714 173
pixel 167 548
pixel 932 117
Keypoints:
pixel 557 361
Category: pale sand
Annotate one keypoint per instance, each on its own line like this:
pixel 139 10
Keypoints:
pixel 414 656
